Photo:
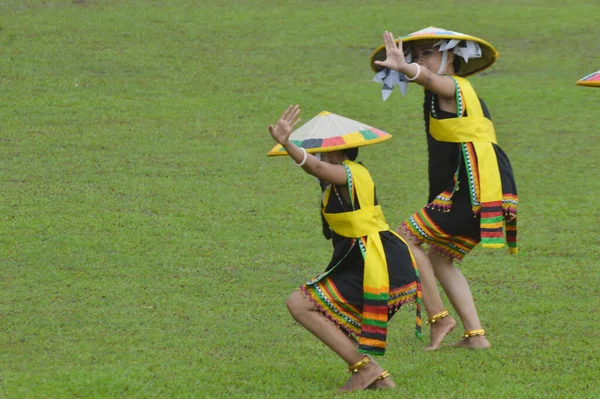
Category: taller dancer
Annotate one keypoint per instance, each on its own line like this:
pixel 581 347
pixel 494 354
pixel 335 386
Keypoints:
pixel 472 191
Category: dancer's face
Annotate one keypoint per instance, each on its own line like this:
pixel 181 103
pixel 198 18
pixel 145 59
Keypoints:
pixel 334 157
pixel 430 57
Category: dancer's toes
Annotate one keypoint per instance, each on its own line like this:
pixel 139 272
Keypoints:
pixel 440 328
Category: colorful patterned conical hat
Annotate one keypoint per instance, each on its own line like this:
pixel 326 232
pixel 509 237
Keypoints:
pixel 328 132
pixel 592 80
pixel 489 55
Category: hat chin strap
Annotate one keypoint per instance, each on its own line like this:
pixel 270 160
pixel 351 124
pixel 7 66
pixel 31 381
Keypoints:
pixel 443 64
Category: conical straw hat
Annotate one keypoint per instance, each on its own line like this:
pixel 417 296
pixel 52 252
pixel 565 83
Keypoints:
pixel 592 80
pixel 328 132
pixel 488 57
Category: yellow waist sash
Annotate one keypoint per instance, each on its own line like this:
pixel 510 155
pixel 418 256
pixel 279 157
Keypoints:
pixel 359 223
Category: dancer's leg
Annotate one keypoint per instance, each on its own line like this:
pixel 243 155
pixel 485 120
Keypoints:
pixel 303 310
pixel 459 293
pixel 431 296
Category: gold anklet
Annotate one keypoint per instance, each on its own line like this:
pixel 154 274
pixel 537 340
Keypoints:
pixel 437 316
pixel 358 365
pixel 384 374
pixel 473 333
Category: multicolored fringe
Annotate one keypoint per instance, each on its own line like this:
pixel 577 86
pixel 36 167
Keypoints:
pixel 332 305
pixel 421 227
pixel 329 302
pixel 509 205
pixel 492 222
pixel 443 201
pixel 403 295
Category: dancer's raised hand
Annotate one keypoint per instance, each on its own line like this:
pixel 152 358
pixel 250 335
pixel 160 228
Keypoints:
pixel 393 52
pixel 285 125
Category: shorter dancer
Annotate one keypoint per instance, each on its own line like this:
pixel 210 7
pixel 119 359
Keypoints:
pixel 372 272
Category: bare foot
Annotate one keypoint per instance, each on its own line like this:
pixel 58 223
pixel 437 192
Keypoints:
pixel 476 342
pixel 366 376
pixel 383 383
pixel 439 330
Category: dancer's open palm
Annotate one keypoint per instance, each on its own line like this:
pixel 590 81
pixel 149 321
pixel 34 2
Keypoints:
pixel 393 53
pixel 285 125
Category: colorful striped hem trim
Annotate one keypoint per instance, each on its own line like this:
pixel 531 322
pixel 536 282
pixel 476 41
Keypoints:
pixel 423 230
pixel 347 317
pixel 350 326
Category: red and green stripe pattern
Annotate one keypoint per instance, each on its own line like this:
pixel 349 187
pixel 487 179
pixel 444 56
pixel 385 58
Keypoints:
pixel 492 222
pixel 425 230
pixel 354 139
pixel 511 235
pixel 374 320
pixel 331 303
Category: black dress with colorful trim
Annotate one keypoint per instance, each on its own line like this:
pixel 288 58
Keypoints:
pixel 338 292
pixel 448 222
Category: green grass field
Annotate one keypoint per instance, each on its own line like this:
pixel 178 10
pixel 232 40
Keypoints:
pixel 148 245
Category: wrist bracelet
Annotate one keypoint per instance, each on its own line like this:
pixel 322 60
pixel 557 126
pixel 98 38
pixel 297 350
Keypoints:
pixel 416 75
pixel 304 157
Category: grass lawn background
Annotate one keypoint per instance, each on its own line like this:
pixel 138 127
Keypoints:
pixel 147 244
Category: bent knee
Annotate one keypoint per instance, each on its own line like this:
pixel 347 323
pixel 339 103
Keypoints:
pixel 297 303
